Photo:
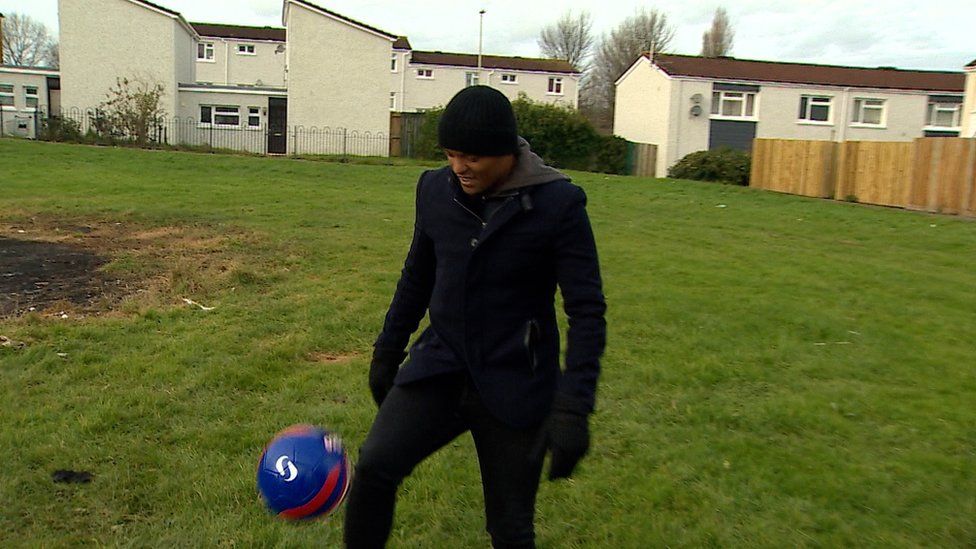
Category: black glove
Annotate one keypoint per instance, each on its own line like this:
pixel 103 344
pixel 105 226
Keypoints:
pixel 566 434
pixel 382 370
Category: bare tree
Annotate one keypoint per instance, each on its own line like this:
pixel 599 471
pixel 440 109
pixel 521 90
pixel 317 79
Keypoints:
pixel 26 42
pixel 570 38
pixel 717 41
pixel 52 55
pixel 645 31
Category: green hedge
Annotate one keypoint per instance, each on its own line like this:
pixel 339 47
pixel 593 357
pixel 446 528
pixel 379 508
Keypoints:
pixel 560 135
pixel 723 165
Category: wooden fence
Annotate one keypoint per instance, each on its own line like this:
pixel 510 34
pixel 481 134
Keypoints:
pixel 936 174
pixel 641 159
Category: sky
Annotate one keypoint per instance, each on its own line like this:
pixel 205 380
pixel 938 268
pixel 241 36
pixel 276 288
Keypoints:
pixel 906 34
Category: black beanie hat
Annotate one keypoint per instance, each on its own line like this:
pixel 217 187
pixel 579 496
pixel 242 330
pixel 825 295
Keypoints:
pixel 479 120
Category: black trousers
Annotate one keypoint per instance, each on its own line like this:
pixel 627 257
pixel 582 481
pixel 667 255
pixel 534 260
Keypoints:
pixel 416 420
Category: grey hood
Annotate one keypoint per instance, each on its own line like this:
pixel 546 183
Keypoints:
pixel 529 170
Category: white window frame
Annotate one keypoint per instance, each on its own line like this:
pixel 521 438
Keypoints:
pixel 209 53
pixel 509 78
pixel 555 86
pixel 471 78
pixel 425 74
pixel 214 112
pixel 246 49
pixel 806 116
pixel 935 107
pixel 253 113
pixel 721 97
pixel 393 62
pixel 10 94
pixel 861 106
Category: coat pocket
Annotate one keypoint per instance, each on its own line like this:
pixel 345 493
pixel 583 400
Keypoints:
pixel 531 341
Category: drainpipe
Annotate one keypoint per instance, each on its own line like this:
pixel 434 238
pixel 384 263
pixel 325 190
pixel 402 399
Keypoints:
pixel 226 62
pixel 403 81
pixel 844 115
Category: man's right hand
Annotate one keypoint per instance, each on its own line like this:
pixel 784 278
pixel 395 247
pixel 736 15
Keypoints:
pixel 382 370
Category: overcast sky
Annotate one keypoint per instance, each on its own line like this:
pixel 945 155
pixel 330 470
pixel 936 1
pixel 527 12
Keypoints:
pixel 900 33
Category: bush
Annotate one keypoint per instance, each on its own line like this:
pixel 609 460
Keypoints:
pixel 560 135
pixel 61 129
pixel 611 155
pixel 723 165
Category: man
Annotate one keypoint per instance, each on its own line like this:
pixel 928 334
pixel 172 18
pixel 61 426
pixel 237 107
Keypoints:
pixel 495 232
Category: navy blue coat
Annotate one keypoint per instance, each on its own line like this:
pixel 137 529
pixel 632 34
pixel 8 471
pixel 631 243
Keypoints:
pixel 489 286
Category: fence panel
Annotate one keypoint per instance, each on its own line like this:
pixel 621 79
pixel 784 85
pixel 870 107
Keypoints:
pixel 795 167
pixel 933 174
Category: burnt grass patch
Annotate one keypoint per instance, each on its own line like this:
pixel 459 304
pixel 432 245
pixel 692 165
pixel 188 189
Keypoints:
pixel 94 266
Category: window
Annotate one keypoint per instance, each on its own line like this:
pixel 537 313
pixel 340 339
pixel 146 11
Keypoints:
pixel 868 112
pixel 556 85
pixel 728 104
pixel 254 117
pixel 425 73
pixel 30 97
pixel 393 59
pixel 205 51
pixel 245 49
pixel 815 108
pixel 470 79
pixel 509 79
pixel 221 116
pixel 944 115
pixel 392 100
pixel 6 95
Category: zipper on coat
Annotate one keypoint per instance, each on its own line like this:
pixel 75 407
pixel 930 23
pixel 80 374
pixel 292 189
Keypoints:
pixel 531 338
pixel 476 216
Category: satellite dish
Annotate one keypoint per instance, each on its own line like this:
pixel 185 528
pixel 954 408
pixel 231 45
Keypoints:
pixel 697 98
pixel 696 110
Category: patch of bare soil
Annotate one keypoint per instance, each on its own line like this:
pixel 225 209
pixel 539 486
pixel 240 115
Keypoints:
pixel 91 266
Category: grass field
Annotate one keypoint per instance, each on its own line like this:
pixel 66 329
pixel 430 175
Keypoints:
pixel 780 371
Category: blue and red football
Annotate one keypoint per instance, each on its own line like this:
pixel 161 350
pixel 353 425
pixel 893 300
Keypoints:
pixel 303 473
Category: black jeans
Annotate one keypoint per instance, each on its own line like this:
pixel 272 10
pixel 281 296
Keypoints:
pixel 416 420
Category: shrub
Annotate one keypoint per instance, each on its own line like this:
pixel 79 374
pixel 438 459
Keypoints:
pixel 611 155
pixel 560 135
pixel 723 165
pixel 57 128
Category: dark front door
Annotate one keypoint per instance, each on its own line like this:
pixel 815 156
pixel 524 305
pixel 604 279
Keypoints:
pixel 277 125
pixel 734 134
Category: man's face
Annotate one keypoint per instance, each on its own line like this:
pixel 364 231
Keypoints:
pixel 479 173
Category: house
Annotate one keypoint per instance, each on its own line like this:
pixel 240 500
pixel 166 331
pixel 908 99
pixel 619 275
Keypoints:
pixel 426 79
pixel 321 83
pixel 338 75
pixel 24 92
pixel 239 55
pixel 969 106
pixel 687 103
pixel 105 40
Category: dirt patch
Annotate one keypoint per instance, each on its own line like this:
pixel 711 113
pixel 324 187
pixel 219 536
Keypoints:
pixel 330 358
pixel 92 266
pixel 36 274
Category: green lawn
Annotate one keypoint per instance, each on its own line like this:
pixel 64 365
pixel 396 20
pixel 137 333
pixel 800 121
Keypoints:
pixel 780 371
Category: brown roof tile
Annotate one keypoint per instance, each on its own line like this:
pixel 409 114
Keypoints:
pixel 240 31
pixel 493 62
pixel 729 68
pixel 402 44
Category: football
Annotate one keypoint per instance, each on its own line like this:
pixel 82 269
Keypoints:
pixel 303 473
